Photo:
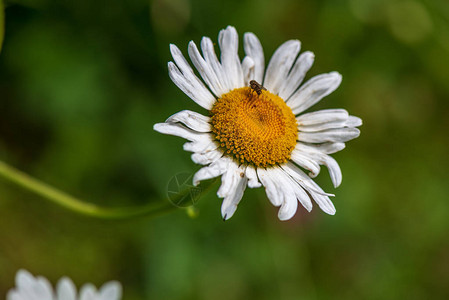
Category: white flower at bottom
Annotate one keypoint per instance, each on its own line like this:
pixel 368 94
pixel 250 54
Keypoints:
pixel 255 134
pixel 29 287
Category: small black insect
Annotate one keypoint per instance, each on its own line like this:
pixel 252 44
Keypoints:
pixel 257 87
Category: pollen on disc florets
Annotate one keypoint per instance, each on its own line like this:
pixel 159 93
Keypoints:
pixel 256 129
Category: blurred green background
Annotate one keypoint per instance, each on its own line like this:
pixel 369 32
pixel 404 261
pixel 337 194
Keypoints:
pixel 83 82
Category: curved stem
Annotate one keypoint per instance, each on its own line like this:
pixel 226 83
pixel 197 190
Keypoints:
pixel 71 203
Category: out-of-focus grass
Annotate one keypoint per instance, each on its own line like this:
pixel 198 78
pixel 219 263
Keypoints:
pixel 83 82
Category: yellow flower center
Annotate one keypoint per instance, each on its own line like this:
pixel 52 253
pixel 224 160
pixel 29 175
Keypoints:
pixel 256 129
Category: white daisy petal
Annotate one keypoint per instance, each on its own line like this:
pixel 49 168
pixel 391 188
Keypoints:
pixel 321 198
pixel 322 120
pixel 288 208
pixel 43 289
pixel 303 180
pixel 300 194
pixel 206 71
pixel 330 135
pixel 202 93
pixel 32 288
pixel 253 181
pixel 324 203
pixel 322 126
pixel 318 155
pixel 234 194
pixel 334 169
pixel 205 158
pixel 305 162
pixel 196 91
pixel 287 187
pixel 230 203
pixel 353 121
pixel 110 291
pixel 229 180
pixel 296 75
pixel 39 288
pixel 14 295
pixel 327 148
pixel 181 131
pixel 253 49
pixel 210 57
pixel 322 116
pixel 303 197
pixel 313 91
pixel 191 119
pixel 203 145
pixel 24 279
pixel 65 289
pixel 88 292
pixel 248 69
pixel 215 169
pixel 273 193
pixel 280 64
pixel 329 162
pixel 286 193
pixel 229 42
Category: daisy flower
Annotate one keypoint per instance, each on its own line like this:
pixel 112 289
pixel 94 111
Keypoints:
pixel 255 132
pixel 29 287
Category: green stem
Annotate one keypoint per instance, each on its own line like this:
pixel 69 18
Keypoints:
pixel 71 203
